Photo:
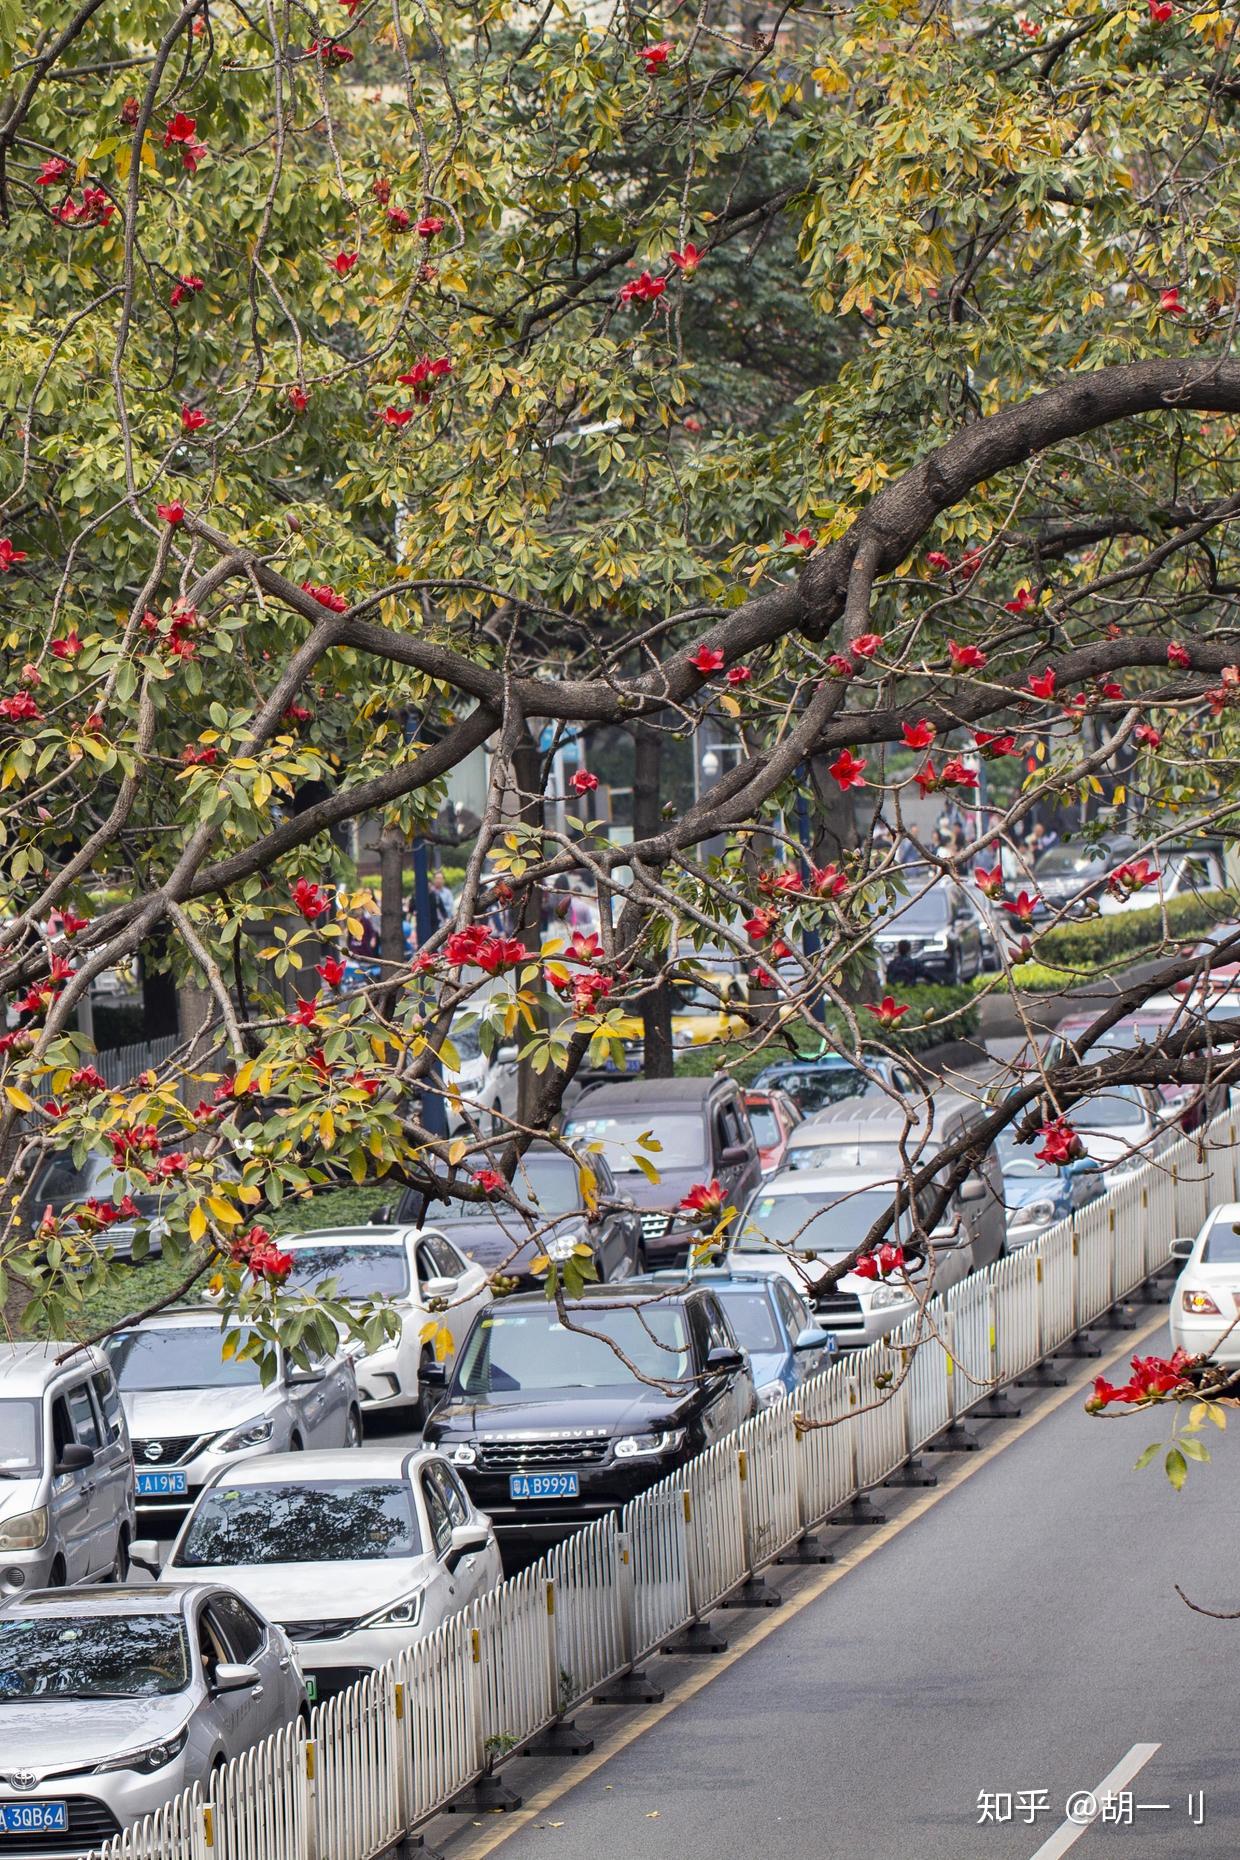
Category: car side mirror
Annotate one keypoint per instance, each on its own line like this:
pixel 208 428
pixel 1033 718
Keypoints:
pixel 435 1375
pixel 466 1538
pixel 506 1056
pixel 384 1216
pixel 295 1378
pixel 75 1458
pixel 1181 1249
pixel 234 1676
pixel 440 1288
pixel 813 1337
pixel 722 1360
pixel 973 1188
pixel 144 1551
pixel 733 1156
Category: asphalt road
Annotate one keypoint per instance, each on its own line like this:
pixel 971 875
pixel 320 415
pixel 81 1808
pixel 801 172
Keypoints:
pixel 1023 1633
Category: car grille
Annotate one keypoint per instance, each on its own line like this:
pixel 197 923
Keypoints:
pixel 90 1824
pixel 655 1224
pixel 330 1680
pixel 319 1630
pixel 173 1450
pixel 520 1454
pixel 840 1310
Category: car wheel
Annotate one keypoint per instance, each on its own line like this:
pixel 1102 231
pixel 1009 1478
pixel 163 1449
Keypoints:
pixel 353 1429
pixel 640 1263
pixel 426 1401
pixel 952 977
pixel 295 1444
pixel 56 1575
pixel 119 1571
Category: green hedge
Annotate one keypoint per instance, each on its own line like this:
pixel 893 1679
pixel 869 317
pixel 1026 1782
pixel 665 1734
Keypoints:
pixel 1072 952
pixel 952 1014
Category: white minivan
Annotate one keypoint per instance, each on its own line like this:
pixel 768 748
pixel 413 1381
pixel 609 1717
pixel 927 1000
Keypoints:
pixel 66 1469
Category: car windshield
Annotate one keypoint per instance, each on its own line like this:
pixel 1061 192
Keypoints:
pixel 125 1656
pixel 359 1271
pixel 464 1036
pixel 824 1222
pixel 19 1437
pixel 838 1152
pixel 1019 1159
pixel 176 1356
pixel 510 1351
pixel 63 1180
pixel 545 1178
pixel 1073 862
pixel 749 1314
pixel 1222 1247
pixel 681 1135
pixel 1123 1105
pixel 812 1088
pixel 314 1521
pixel 923 910
pixel 765 1125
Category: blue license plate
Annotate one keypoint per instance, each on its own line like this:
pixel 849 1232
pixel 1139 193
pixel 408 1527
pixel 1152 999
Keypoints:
pixel 34 1817
pixel 832 1344
pixel 161 1485
pixel 543 1485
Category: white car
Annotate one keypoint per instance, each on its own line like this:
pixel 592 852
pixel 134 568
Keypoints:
pixel 356 1555
pixel 805 1221
pixel 193 1412
pixel 1205 1305
pixel 1121 1128
pixel 419 1273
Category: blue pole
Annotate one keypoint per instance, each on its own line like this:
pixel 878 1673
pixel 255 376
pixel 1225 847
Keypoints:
pixel 811 942
pixel 434 1110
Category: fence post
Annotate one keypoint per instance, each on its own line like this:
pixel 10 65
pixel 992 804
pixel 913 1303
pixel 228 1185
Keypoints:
pixel 753 1592
pixel 314 1845
pixel 404 1761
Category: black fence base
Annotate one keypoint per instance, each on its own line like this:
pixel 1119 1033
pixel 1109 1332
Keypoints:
pixel 485 1797
pixel 415 1847
pixel 635 1688
pixel 755 1593
pixel 859 1512
pixel 913 1472
pixel 1044 1375
pixel 807 1549
pixel 1083 1344
pixel 562 1739
pixel 997 1407
pixel 953 1439
pixel 1119 1317
pixel 698 1637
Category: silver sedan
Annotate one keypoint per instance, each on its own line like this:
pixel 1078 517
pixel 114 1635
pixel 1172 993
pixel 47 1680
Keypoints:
pixel 113 1700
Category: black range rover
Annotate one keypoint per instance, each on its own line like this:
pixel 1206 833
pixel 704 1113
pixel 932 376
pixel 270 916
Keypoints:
pixel 549 1425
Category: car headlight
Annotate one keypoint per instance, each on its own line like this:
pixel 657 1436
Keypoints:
pixel 563 1246
pixel 150 1758
pixel 463 1454
pixel 935 945
pixel 884 1296
pixel 1034 1214
pixel 27 1531
pixel 1199 1304
pixel 405 1613
pixel 645 1446
pixel 249 1434
pixel 769 1393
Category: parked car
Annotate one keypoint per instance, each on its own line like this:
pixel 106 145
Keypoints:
pixel 774 1117
pixel 193 1412
pixel 496 1238
pixel 1067 874
pixel 479 1081
pixel 778 1332
pixel 1189 1105
pixel 66 1471
pixel 63 1182
pixel 704 1134
pixel 1039 1194
pixel 990 927
pixel 114 1700
pixel 1121 1128
pixel 934 927
pixel 1182 872
pixel 552 1424
pixel 1205 1301
pixel 356 1555
pixel 874 1136
pixel 812 1084
pixel 419 1273
pixel 803 1223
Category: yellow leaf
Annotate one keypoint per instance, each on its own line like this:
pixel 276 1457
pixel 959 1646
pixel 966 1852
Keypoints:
pixel 457 1150
pixel 245 1074
pixel 18 1098
pixel 647 1168
pixel 249 1194
pixel 149 159
pixel 197 1222
pixel 124 161
pixel 224 1212
pixel 588 1183
pixel 327 1129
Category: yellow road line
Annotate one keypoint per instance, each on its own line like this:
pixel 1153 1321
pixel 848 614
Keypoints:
pixel 610 1744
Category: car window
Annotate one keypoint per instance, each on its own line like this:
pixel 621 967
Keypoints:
pixel 448 1262
pixel 127 1656
pixel 793 1310
pixel 718 1334
pixel 177 1356
pixel 437 1512
pixel 514 1348
pixel 20 1436
pixel 314 1521
pixel 213 1649
pixel 449 1491
pixel 109 1404
pixel 361 1271
pixel 752 1321
pixel 681 1134
pixel 82 1417
pixel 243 1631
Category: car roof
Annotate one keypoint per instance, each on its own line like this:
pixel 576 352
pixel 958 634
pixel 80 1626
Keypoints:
pixel 623 1292
pixel 835 1182
pixel 397 1234
pixel 27 1368
pixel 824 1062
pixel 147 1598
pixel 381 1461
pixel 649 1094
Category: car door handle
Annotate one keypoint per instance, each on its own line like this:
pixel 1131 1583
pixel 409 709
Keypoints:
pixel 86 1490
pixel 256 1692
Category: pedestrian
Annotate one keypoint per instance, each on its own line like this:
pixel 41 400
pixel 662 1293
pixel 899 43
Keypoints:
pixel 443 904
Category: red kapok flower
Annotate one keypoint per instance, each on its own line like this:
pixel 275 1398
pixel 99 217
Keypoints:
pixel 309 900
pixel 325 596
pixel 1169 301
pixel 688 260
pixel 188 285
pixel 801 539
pixel 71 923
pixel 642 290
pixel 927 778
pixel 739 675
pixel 1022 908
pixel 966 658
pixel 399 219
pixel 1134 876
pixel 847 771
pixel 1021 601
pixel 887 1011
pixel 329 52
pixel 1161 11
pixel 989 880
pixel 840 667
pixel 267 1262
pixel 958 774
pixel 652 56
pixel 180 128
pixel 171 513
pixel 584 782
pixel 490 1181
pixel 584 946
pixel 992 745
pixel 1042 685
pixel 193 419
pixel 428 226
pixel 54 169
pixel 20 708
pixel 939 562
pixel 866 645
pixel 298 399
pixel 397 416
pixel 707 659
pixel 332 971
pixel 1146 733
pixel 1060 1143
pixel 68 647
pixel 919 735
pixel 343 263
pixel 827 881
pixel 707 1200
pixel 9 555
pixel 304 1014
pixel 1179 655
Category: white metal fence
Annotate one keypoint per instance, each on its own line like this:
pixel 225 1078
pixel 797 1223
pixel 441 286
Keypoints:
pixel 382 1758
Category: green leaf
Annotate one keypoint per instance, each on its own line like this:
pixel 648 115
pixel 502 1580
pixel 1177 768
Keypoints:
pixel 1176 1468
pixel 1194 1449
pixel 1151 1453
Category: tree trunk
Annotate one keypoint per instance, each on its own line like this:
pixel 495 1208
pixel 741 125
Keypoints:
pixel 528 775
pixel 658 1053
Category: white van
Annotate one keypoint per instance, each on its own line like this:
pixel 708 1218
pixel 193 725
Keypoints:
pixel 66 1469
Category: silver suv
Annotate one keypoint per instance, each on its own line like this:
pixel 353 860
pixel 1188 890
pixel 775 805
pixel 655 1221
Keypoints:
pixel 114 1700
pixel 66 1472
pixel 193 1412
